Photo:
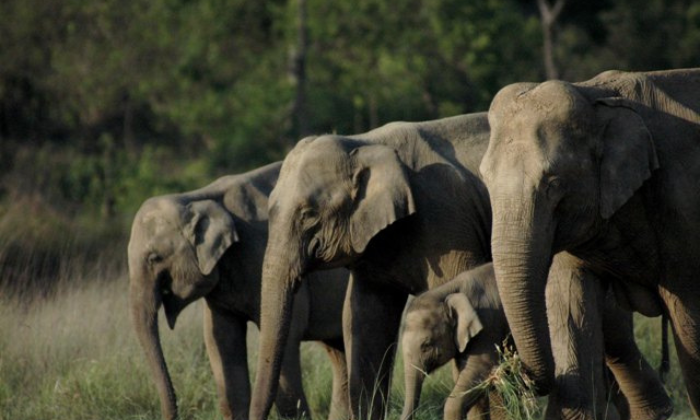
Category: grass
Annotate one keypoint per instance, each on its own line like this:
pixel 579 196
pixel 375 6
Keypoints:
pixel 516 391
pixel 72 354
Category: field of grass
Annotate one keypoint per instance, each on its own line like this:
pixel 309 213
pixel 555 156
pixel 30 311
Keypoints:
pixel 73 355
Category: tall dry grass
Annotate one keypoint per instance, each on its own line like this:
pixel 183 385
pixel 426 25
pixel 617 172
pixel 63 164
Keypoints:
pixel 71 354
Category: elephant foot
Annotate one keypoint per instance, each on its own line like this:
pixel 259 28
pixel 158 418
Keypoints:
pixel 652 413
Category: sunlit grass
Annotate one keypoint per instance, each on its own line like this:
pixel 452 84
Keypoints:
pixel 73 355
pixel 509 381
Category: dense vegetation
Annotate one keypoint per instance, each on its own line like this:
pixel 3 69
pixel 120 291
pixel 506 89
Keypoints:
pixel 105 103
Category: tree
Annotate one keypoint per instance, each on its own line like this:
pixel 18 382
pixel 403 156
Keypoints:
pixel 298 70
pixel 549 15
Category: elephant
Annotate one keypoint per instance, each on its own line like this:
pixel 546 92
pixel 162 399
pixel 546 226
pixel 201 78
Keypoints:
pixel 404 208
pixel 463 320
pixel 606 170
pixel 209 243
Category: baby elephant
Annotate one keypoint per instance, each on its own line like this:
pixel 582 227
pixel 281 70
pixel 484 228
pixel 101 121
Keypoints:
pixel 438 326
pixel 464 320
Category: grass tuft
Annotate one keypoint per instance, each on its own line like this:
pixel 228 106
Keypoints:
pixel 516 389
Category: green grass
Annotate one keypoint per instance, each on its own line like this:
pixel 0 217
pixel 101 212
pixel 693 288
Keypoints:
pixel 73 355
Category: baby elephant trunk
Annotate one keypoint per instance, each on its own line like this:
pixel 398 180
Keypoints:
pixel 414 377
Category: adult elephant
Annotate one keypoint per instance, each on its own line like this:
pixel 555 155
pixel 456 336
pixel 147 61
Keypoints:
pixel 606 169
pixel 209 243
pixel 404 208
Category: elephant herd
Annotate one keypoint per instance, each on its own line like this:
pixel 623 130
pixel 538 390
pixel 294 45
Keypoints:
pixel 544 221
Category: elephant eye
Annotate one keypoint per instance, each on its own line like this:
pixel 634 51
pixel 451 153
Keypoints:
pixel 308 213
pixel 154 258
pixel 555 186
pixel 308 217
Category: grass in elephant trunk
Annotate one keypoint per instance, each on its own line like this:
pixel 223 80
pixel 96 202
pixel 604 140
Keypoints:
pixel 516 390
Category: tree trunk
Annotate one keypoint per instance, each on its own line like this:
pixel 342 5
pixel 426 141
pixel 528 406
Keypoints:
pixel 549 15
pixel 298 72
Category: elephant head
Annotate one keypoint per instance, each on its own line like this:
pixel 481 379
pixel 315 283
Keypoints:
pixel 333 196
pixel 560 162
pixel 173 252
pixel 435 331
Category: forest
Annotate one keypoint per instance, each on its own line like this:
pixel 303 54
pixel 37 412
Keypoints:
pixel 103 104
pixel 106 103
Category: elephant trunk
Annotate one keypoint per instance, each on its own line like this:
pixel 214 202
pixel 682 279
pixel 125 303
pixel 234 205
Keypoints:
pixel 144 314
pixel 278 282
pixel 521 250
pixel 414 375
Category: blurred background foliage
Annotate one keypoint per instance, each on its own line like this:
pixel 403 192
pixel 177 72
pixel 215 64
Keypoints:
pixel 105 103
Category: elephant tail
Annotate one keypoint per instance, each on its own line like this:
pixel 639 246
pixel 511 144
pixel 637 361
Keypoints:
pixel 665 365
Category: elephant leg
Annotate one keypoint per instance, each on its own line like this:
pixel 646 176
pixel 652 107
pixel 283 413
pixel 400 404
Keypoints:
pixel 225 339
pixel 481 358
pixel 290 400
pixel 340 399
pixel 456 369
pixel 490 408
pixel 616 397
pixel 637 380
pixel 371 319
pixel 574 311
pixel 481 410
pixel 683 306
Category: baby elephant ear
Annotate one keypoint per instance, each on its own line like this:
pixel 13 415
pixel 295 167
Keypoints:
pixel 468 322
pixel 210 230
pixel 628 153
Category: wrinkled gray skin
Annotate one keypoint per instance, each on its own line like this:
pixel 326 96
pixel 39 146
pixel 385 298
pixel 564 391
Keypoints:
pixel 463 321
pixel 403 207
pixel 606 169
pixel 210 244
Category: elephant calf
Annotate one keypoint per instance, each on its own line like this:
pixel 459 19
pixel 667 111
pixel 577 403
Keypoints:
pixel 463 320
pixel 209 243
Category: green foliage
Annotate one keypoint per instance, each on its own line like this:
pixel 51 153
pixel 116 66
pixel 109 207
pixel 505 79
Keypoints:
pixel 107 91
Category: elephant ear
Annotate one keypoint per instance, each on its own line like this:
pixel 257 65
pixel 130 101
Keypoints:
pixel 381 193
pixel 628 153
pixel 468 322
pixel 210 230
